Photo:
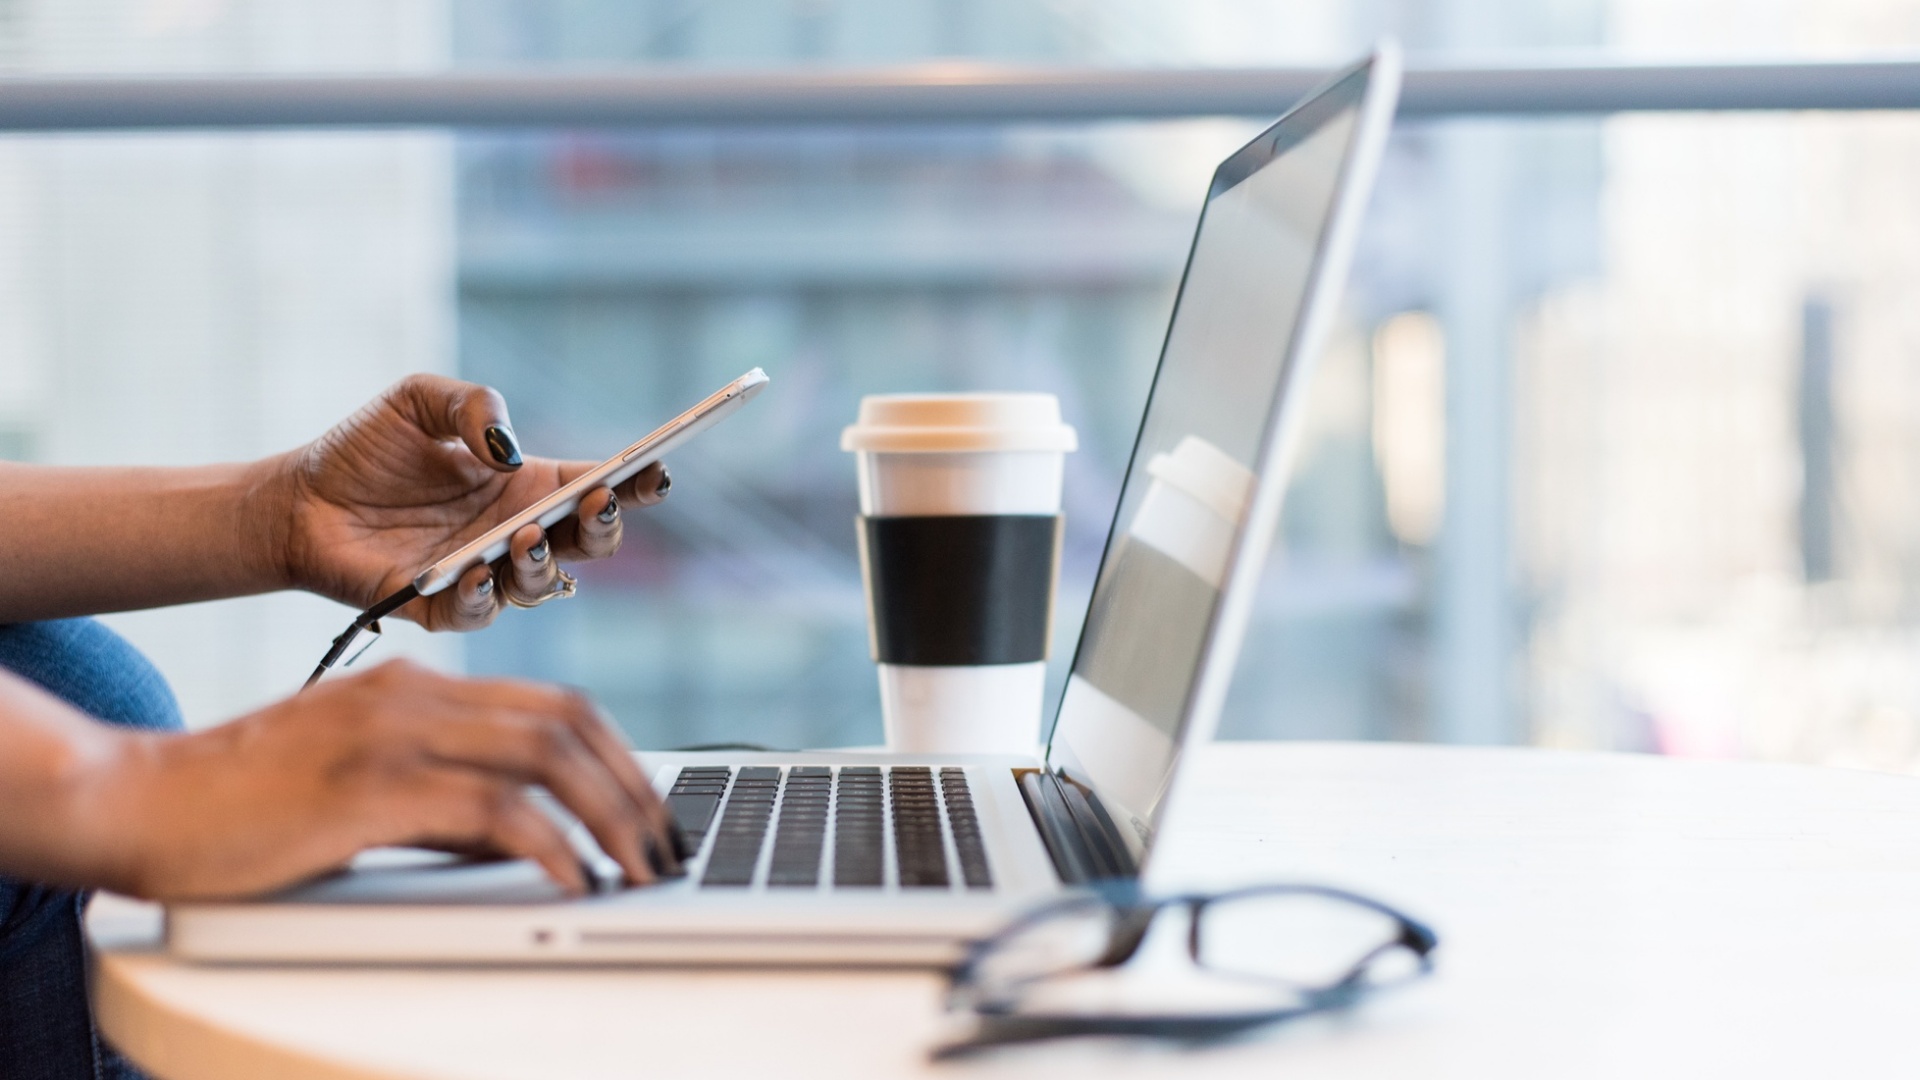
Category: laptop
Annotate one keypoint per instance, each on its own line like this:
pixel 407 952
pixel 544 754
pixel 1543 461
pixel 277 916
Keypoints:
pixel 852 858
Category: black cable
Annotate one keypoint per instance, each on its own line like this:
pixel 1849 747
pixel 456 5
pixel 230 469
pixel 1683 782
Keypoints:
pixel 366 620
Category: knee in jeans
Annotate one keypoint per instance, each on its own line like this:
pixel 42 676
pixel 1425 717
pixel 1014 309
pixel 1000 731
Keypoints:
pixel 93 669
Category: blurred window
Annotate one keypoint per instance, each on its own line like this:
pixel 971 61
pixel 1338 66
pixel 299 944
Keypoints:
pixel 1613 449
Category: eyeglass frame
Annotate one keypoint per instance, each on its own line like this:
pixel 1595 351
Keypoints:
pixel 1003 1023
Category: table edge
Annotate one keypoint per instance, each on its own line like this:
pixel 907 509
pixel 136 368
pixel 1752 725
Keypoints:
pixel 173 1044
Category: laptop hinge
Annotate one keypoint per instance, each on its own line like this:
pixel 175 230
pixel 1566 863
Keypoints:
pixel 1079 834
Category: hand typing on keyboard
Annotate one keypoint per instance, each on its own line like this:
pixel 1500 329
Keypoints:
pixel 602 872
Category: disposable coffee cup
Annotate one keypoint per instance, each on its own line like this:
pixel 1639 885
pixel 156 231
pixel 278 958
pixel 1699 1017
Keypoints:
pixel 960 552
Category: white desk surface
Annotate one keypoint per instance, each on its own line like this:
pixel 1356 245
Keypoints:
pixel 1600 916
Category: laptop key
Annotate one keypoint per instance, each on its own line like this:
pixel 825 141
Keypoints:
pixel 857 836
pixel 693 799
pixel 918 845
pixel 693 813
pixel 968 844
pixel 742 830
pixel 801 837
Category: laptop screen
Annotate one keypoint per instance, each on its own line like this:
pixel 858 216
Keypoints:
pixel 1227 360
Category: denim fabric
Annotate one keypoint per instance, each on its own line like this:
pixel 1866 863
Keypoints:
pixel 46 1024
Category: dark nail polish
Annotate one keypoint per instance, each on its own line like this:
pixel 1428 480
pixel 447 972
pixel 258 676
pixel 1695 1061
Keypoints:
pixel 503 446
pixel 538 552
pixel 611 512
pixel 484 589
pixel 665 864
pixel 666 481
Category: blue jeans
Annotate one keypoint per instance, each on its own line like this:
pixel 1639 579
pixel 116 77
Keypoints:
pixel 46 1023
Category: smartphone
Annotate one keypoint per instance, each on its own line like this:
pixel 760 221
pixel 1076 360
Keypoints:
pixel 562 503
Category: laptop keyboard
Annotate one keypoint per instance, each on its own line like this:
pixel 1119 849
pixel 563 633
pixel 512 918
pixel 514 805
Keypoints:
pixel 801 810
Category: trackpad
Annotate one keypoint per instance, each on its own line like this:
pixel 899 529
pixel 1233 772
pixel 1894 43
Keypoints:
pixel 413 876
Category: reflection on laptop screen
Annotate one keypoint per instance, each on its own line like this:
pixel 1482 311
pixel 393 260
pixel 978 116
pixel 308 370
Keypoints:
pixel 1186 493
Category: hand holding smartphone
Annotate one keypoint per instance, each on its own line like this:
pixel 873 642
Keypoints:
pixel 563 502
pixel 558 506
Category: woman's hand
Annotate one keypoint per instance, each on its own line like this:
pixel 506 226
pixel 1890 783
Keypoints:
pixel 398 755
pixel 427 466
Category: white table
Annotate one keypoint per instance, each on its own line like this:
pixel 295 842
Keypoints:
pixel 1600 915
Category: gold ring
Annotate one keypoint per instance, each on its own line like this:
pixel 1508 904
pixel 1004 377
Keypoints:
pixel 563 586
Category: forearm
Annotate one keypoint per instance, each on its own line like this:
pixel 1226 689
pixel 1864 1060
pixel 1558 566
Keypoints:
pixel 84 541
pixel 51 759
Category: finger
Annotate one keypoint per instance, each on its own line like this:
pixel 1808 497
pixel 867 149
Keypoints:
pixel 497 700
pixel 542 747
pixel 598 732
pixel 646 487
pixel 471 604
pixel 519 829
pixel 463 810
pixel 476 415
pixel 581 536
pixel 597 532
pixel 532 566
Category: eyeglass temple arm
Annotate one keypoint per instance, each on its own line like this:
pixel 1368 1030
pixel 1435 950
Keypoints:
pixel 1006 1030
pixel 368 619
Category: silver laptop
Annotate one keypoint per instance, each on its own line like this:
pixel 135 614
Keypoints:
pixel 878 858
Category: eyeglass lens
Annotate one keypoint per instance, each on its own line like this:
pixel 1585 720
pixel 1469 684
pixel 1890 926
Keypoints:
pixel 1065 939
pixel 1301 939
pixel 1277 946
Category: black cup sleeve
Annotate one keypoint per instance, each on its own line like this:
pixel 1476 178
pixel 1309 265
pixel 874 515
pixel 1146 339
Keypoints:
pixel 960 590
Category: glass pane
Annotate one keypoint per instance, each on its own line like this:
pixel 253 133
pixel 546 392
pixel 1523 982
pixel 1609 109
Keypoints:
pixel 194 297
pixel 1613 451
pixel 607 282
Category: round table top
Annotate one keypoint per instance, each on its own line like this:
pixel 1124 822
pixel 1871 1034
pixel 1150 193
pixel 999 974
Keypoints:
pixel 1601 915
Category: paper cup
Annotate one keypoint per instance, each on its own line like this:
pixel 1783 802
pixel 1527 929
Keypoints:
pixel 959 553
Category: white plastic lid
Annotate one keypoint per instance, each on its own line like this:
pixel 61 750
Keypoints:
pixel 959 423
pixel 1205 472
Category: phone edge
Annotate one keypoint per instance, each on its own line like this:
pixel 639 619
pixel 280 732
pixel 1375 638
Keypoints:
pixel 443 572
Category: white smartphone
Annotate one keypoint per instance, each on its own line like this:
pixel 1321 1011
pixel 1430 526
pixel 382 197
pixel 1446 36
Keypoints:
pixel 557 506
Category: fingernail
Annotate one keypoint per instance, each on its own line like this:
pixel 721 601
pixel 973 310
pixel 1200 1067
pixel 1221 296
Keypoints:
pixel 485 588
pixel 611 512
pixel 503 446
pixel 664 862
pixel 538 552
pixel 666 481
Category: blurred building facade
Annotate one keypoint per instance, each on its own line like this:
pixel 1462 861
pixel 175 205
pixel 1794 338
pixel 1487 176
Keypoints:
pixel 1718 435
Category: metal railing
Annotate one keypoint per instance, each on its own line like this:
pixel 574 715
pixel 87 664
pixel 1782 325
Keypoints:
pixel 934 93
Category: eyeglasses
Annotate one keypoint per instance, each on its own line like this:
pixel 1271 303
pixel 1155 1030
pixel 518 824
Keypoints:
pixel 1254 956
